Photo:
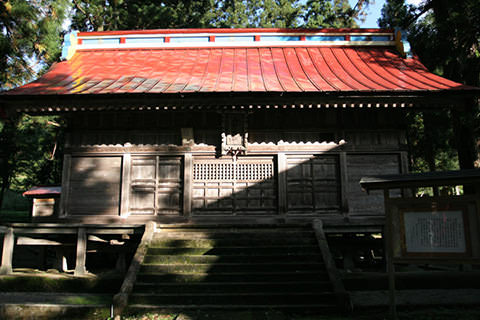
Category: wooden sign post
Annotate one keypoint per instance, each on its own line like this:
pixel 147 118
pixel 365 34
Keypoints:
pixel 440 228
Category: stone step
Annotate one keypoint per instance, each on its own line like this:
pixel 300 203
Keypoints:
pixel 237 250
pixel 213 259
pixel 182 277
pixel 229 242
pixel 231 267
pixel 250 298
pixel 232 287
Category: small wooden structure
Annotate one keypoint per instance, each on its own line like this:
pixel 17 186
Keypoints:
pixel 232 125
pixel 441 228
pixel 46 201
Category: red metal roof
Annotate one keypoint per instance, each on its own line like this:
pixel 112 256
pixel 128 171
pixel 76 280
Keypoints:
pixel 111 65
pixel 45 191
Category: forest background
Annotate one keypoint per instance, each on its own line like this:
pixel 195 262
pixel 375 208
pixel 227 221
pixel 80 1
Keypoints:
pixel 444 34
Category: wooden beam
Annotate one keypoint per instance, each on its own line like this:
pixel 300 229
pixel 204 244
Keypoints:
pixel 343 298
pixel 388 234
pixel 7 252
pixel 344 183
pixel 80 268
pixel 26 241
pixel 282 183
pixel 67 160
pixel 126 181
pixel 187 184
pixel 120 300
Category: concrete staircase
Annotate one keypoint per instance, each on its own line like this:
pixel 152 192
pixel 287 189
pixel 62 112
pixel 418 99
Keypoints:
pixel 232 267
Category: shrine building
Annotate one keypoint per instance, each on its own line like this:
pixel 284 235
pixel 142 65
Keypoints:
pixel 231 125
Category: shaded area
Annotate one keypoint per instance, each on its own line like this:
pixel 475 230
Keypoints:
pixel 213 268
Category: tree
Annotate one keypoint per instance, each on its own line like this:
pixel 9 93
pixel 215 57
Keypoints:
pixel 30 41
pixel 103 15
pixel 333 14
pixel 28 149
pixel 31 34
pixel 446 37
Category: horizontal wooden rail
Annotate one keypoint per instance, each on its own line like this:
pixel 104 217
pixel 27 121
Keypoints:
pixel 10 231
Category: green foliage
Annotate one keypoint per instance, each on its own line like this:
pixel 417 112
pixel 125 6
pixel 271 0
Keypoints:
pixel 14 201
pixel 330 14
pixel 430 141
pixel 103 15
pixel 31 32
pixel 26 146
pixel 446 37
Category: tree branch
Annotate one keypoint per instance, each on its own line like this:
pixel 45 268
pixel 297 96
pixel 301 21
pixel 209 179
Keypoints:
pixel 77 5
pixel 423 10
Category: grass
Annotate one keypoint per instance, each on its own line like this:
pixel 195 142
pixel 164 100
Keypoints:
pixel 14 216
pixel 410 313
pixel 93 299
pixel 45 282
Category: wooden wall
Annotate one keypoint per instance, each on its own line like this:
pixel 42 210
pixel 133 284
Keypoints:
pixel 94 185
pixel 301 163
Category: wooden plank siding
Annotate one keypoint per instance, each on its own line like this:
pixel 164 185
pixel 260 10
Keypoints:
pixel 306 166
pixel 313 184
pixel 94 187
pixel 360 165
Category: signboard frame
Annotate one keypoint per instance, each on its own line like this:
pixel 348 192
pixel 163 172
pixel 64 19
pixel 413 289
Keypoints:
pixel 463 210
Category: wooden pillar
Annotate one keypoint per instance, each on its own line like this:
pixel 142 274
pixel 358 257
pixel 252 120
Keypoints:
pixel 187 184
pixel 126 181
pixel 7 253
pixel 67 160
pixel 121 265
pixel 282 183
pixel 344 182
pixel 80 269
pixel 60 259
pixel 388 233
pixel 404 168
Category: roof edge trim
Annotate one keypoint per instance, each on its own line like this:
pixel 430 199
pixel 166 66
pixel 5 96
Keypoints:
pixel 204 38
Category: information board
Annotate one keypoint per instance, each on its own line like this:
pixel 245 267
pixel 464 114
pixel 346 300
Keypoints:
pixel 434 231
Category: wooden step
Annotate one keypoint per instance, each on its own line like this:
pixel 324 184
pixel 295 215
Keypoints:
pixel 249 298
pixel 183 277
pixel 231 267
pixel 317 308
pixel 237 250
pixel 226 242
pixel 242 258
pixel 242 287
pixel 220 234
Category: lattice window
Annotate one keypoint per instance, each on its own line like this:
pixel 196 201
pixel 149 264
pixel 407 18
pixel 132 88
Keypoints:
pixel 233 171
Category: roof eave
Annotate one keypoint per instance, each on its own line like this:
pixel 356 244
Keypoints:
pixel 51 103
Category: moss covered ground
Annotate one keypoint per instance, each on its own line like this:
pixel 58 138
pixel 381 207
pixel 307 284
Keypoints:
pixel 412 313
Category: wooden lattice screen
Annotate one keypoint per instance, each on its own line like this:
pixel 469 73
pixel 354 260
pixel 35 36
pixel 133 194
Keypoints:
pixel 233 171
pixel 224 186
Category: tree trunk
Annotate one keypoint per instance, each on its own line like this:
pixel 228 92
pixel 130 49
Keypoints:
pixel 464 136
pixel 428 124
pixel 8 151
